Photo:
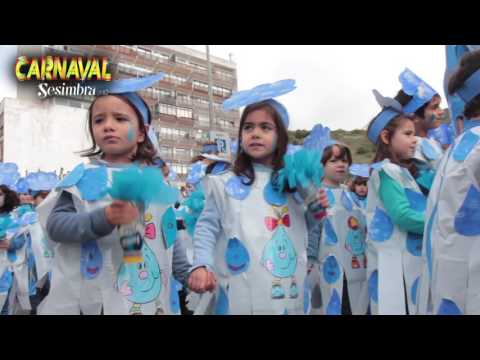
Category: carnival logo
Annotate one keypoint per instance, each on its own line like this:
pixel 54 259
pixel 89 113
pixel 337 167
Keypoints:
pixel 63 76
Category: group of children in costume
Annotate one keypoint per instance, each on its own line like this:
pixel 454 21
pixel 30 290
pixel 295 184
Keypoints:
pixel 275 231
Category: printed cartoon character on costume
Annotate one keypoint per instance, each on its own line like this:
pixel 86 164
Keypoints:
pixel 140 282
pixel 279 256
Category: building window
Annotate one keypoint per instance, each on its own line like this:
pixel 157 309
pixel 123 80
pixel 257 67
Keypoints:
pixel 184 112
pixel 167 109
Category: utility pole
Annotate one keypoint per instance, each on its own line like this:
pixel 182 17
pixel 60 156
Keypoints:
pixel 210 92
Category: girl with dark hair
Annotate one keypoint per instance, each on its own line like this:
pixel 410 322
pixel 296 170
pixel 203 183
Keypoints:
pixel 395 212
pixel 423 102
pixel 112 256
pixel 452 230
pixel 250 241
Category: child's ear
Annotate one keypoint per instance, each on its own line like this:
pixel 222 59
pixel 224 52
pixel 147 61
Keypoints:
pixel 384 137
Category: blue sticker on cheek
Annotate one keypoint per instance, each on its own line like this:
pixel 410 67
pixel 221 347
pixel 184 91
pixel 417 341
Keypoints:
pixel 130 133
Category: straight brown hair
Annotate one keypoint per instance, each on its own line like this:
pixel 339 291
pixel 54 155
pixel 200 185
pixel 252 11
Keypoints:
pixel 145 150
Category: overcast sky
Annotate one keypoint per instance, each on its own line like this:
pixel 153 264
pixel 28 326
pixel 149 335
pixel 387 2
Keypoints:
pixel 334 82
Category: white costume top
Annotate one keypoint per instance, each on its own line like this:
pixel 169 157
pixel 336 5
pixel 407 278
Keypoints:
pixel 393 255
pixel 90 276
pixel 260 256
pixel 452 232
pixel 342 252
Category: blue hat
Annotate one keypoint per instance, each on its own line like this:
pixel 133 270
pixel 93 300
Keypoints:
pixel 453 55
pixel 9 175
pixel 470 88
pixel 41 181
pixel 418 89
pixel 22 186
pixel 362 170
pixel 390 110
pixel 318 139
pixel 128 88
pixel 264 92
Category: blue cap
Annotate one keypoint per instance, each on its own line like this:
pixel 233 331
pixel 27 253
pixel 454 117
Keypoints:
pixel 362 170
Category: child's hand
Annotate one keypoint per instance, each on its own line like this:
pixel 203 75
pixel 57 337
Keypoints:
pixel 322 198
pixel 202 280
pixel 121 212
pixel 4 244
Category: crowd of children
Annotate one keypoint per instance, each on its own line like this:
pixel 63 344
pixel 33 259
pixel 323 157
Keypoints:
pixel 275 229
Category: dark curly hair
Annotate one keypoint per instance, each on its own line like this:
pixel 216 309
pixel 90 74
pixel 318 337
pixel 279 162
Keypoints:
pixel 11 199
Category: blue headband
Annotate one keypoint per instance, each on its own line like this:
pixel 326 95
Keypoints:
pixel 281 110
pixel 128 88
pixel 139 104
pixel 470 88
pixel 264 92
pixel 380 122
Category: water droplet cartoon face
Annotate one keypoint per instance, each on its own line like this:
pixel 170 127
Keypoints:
pixel 140 282
pixel 355 241
pixel 381 227
pixel 331 269
pixel 236 257
pixel 279 255
pixel 91 260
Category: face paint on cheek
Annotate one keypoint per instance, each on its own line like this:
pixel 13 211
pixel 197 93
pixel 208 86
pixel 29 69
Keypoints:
pixel 130 133
pixel 274 142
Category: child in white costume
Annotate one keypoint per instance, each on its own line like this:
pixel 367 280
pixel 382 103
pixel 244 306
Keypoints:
pixel 339 248
pixel 452 227
pixel 112 256
pixel 395 213
pixel 250 240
